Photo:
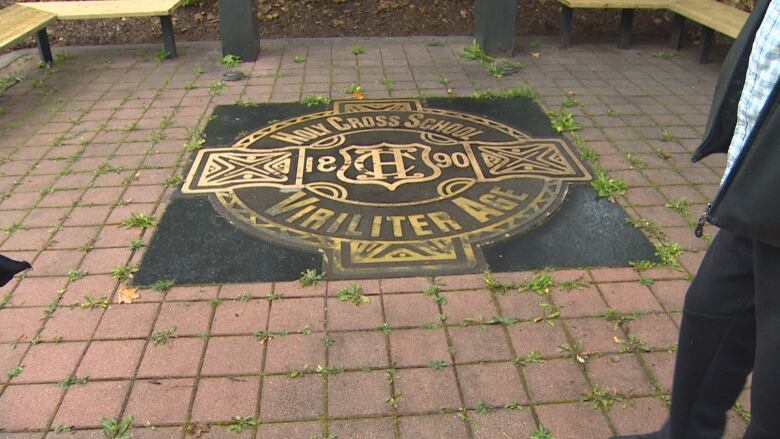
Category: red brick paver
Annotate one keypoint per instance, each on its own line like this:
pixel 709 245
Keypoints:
pixel 306 364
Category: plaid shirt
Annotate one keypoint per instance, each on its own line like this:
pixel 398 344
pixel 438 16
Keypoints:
pixel 762 74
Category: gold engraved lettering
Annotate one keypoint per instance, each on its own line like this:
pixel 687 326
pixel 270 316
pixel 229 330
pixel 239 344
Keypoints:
pixel 326 164
pixel 352 229
pixel 479 211
pixel 396 164
pixel 318 218
pixel 413 121
pixel 376 227
pixel 291 203
pixel 334 226
pixel 419 225
pixel 444 221
pixel 301 135
pixel 397 221
pixel 336 122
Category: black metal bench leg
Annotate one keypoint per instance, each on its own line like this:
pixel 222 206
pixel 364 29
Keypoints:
pixel 626 23
pixel 707 35
pixel 168 40
pixel 44 49
pixel 677 31
pixel 566 25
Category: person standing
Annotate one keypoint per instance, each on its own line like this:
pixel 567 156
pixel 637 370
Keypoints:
pixel 731 317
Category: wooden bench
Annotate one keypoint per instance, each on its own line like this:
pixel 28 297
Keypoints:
pixel 627 8
pixel 22 19
pixel 712 15
pixel 16 22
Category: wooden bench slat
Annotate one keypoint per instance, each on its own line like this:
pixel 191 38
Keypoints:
pixel 90 9
pixel 618 4
pixel 16 22
pixel 717 16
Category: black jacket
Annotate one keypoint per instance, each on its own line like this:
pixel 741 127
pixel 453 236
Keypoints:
pixel 748 202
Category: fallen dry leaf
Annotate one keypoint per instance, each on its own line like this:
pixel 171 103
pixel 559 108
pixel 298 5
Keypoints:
pixel 197 430
pixel 535 54
pixel 358 94
pixel 127 295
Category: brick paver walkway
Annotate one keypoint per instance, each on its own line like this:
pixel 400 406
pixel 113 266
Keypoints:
pixel 83 147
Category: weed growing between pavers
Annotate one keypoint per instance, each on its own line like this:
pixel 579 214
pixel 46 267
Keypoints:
pixel 240 423
pixel 438 365
pixel 608 187
pixel 140 221
pixel 388 83
pixel 571 102
pixel 353 294
pixel 550 314
pixel 605 398
pixel 632 344
pixel 496 286
pixel 314 100
pixel 270 297
pixel 540 283
pixel 618 318
pixel 680 205
pixel 357 49
pixel 163 336
pixel 91 302
pixel 174 181
pixel 666 54
pixel 494 68
pixel 576 351
pixel 197 139
pixel 394 399
pixel 434 293
pixel 635 162
pixel 75 275
pixel 265 336
pixel 117 428
pixel 575 284
pixel 563 121
pixel 527 92
pixel 667 135
pixel 123 273
pixel 310 278
pixel 163 285
pixel 72 380
pixel 15 371
pixel 532 357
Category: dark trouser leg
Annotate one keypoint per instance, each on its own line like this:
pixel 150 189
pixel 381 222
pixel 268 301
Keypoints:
pixel 44 49
pixel 716 344
pixel 725 378
pixel 765 390
pixel 167 30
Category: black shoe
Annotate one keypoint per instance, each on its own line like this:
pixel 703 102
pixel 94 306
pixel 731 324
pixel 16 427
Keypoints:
pixel 10 268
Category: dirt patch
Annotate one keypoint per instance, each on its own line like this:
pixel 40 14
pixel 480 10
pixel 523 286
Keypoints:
pixel 331 18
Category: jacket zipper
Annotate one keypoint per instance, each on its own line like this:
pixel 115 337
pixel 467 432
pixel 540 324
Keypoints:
pixel 707 215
